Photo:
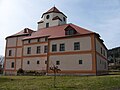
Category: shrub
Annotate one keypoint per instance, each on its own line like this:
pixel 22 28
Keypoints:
pixel 20 71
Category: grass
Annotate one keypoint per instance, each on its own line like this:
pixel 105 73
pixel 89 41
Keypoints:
pixel 111 82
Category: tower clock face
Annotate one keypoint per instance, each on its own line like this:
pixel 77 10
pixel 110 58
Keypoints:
pixel 48 16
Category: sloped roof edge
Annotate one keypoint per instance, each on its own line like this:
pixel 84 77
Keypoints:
pixel 53 10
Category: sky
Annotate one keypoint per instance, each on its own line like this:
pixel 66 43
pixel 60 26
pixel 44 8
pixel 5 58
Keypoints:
pixel 100 16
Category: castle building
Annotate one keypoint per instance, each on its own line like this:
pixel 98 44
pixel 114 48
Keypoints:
pixel 73 49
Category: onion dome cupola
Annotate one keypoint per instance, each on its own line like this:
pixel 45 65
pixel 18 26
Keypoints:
pixel 52 17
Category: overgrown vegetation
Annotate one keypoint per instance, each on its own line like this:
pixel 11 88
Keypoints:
pixel 29 73
pixel 114 67
pixel 20 71
pixel 111 82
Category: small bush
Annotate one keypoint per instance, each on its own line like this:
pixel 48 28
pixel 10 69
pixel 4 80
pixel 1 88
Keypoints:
pixel 1 71
pixel 30 71
pixel 20 71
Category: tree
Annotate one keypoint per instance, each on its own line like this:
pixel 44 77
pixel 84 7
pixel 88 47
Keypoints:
pixel 55 70
pixel 1 63
pixel 1 60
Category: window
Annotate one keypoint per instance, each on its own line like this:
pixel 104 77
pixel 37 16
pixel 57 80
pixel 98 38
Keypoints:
pixel 64 18
pixel 47 25
pixel 29 50
pixel 45 49
pixel 10 53
pixel 48 16
pixel 101 50
pixel 25 30
pixel 100 61
pixel 118 62
pixel 70 32
pixel 38 40
pixel 29 41
pixel 12 65
pixel 105 66
pixel 62 47
pixel 46 62
pixel 38 62
pixel 54 47
pixel 28 62
pixel 104 52
pixel 38 49
pixel 77 46
pixel 57 62
pixel 80 61
pixel 29 34
pixel 46 39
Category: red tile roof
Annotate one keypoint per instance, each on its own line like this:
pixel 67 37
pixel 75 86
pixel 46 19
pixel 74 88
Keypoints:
pixel 26 31
pixel 53 9
pixel 57 31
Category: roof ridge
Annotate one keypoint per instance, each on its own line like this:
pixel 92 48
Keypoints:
pixel 25 31
pixel 58 31
pixel 81 27
pixel 55 10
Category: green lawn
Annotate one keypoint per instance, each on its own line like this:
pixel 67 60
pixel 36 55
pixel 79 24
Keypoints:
pixel 111 82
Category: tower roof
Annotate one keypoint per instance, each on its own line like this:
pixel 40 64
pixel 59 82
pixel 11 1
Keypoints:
pixel 53 10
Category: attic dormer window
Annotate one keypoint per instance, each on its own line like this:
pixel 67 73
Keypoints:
pixel 25 30
pixel 70 32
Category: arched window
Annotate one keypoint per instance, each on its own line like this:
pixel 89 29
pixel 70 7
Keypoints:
pixel 28 62
pixel 38 62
